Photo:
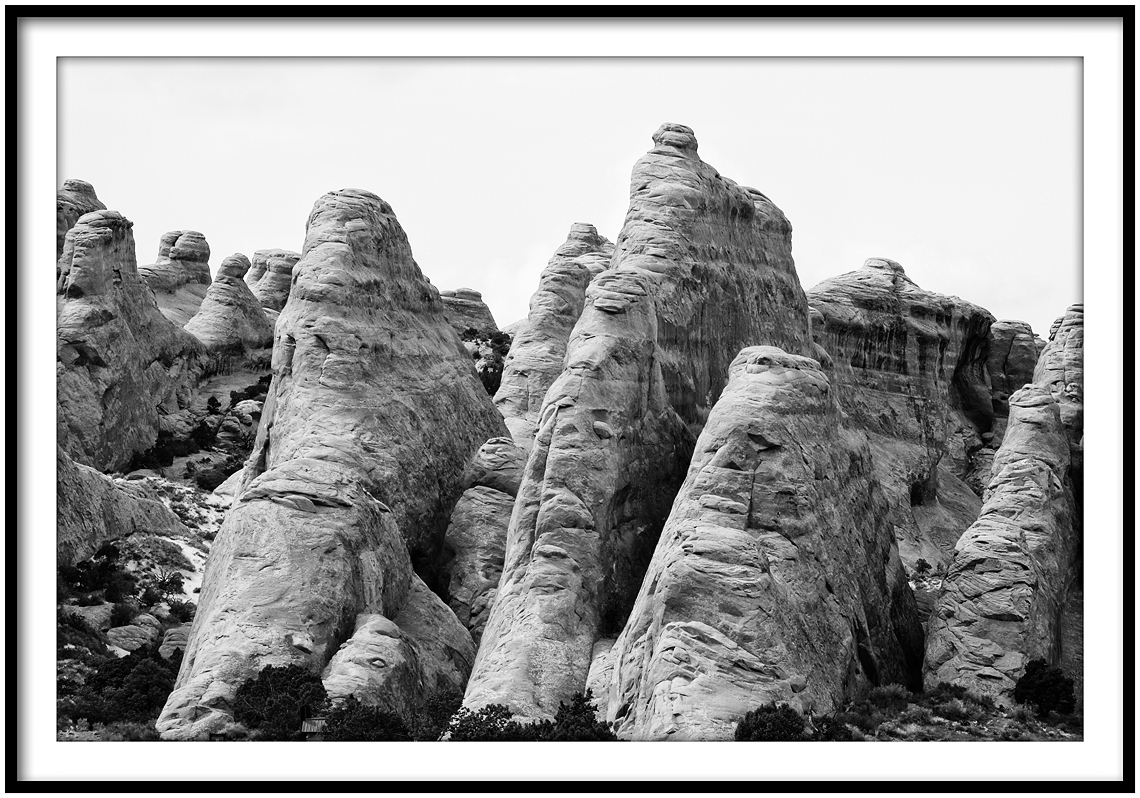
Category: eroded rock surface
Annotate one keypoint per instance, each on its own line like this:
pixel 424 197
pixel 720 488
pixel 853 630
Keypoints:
pixel 465 309
pixel 75 199
pixel 349 469
pixel 1013 357
pixel 1004 593
pixel 1061 370
pixel 908 366
pixel 122 368
pixel 777 576
pixel 702 267
pixel 272 274
pixel 180 275
pixel 538 349
pixel 230 319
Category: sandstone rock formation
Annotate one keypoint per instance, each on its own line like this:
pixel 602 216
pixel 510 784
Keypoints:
pixel 909 368
pixel 1003 595
pixel 174 640
pixel 350 469
pixel 1012 359
pixel 777 577
pixel 538 350
pixel 1061 370
pixel 476 535
pixel 181 274
pixel 230 319
pixel 122 368
pixel 143 630
pixel 75 199
pixel 272 275
pixel 702 268
pixel 465 309
pixel 92 510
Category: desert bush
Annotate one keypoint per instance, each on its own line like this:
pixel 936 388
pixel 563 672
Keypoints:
pixel 277 701
pixel 1046 687
pixel 956 709
pixel 133 688
pixel 74 637
pixel 123 613
pixel 890 697
pixel 209 479
pixel 830 729
pixel 916 714
pixel 576 720
pixel 771 723
pixel 432 720
pixel 922 567
pixel 128 732
pixel 182 610
pixel 492 723
pixel 351 721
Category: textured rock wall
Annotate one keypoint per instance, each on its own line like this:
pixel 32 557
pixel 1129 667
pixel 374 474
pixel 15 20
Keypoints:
pixel 92 510
pixel 1003 595
pixel 75 199
pixel 270 276
pixel 702 267
pixel 180 275
pixel 123 370
pixel 538 350
pixel 465 309
pixel 909 368
pixel 1061 370
pixel 230 318
pixel 348 472
pixel 1012 359
pixel 776 578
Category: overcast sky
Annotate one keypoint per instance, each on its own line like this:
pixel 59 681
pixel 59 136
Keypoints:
pixel 966 171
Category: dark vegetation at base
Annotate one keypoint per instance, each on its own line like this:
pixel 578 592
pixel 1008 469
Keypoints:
pixel 101 688
pixel 492 349
pixel 1045 687
pixel 573 721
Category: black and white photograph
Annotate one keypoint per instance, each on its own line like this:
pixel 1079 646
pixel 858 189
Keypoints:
pixel 726 395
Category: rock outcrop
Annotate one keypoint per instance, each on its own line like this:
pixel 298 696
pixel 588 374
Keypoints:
pixel 1061 370
pixel 538 350
pixel 174 640
pixel 1003 595
pixel 777 577
pixel 76 198
pixel 180 275
pixel 465 309
pixel 230 320
pixel 476 536
pixel 272 271
pixel 122 368
pixel 349 470
pixel 92 510
pixel 1012 359
pixel 143 630
pixel 702 268
pixel 909 368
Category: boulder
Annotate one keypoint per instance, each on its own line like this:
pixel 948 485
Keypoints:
pixel 272 275
pixel 76 198
pixel 92 510
pixel 349 471
pixel 908 366
pixel 180 275
pixel 173 640
pixel 143 630
pixel 465 309
pixel 230 319
pixel 1004 593
pixel 122 368
pixel 538 348
pixel 777 577
pixel 702 268
pixel 97 616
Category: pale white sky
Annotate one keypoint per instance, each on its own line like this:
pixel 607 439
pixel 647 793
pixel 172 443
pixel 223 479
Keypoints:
pixel 966 171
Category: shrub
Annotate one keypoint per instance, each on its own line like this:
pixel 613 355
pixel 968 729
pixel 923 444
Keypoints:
pixel 182 610
pixel 577 720
pixel 277 701
pixel 491 723
pixel 956 709
pixel 351 721
pixel 432 720
pixel 771 723
pixel 831 729
pixel 213 406
pixel 889 697
pixel 209 479
pixel 922 567
pixel 131 689
pixel 122 614
pixel 1046 687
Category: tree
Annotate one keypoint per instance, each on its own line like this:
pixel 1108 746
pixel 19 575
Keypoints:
pixel 1045 687
pixel 922 567
pixel 771 723
pixel 351 721
pixel 278 700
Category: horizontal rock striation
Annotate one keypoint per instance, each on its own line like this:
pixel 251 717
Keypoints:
pixel 1003 595
pixel 230 319
pixel 180 275
pixel 76 198
pixel 909 368
pixel 349 470
pixel 122 368
pixel 272 275
pixel 776 577
pixel 702 267
pixel 465 309
pixel 538 350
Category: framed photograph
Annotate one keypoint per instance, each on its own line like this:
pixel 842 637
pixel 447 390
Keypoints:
pixel 688 379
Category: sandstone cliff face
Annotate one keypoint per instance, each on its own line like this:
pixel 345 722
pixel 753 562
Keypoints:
pixel 465 309
pixel 272 274
pixel 230 318
pixel 349 469
pixel 1012 359
pixel 702 267
pixel 92 510
pixel 122 368
pixel 1061 370
pixel 1004 593
pixel 776 577
pixel 180 275
pixel 75 199
pixel 909 368
pixel 538 350
pixel 476 535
